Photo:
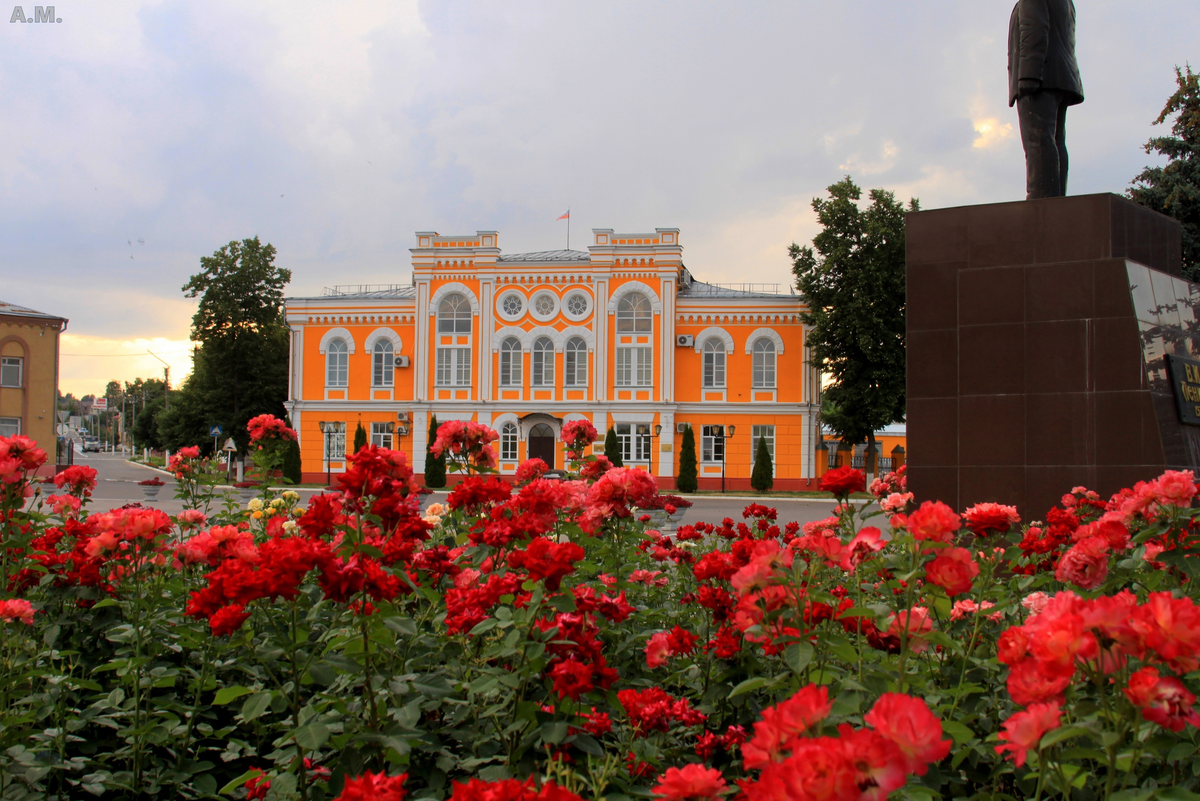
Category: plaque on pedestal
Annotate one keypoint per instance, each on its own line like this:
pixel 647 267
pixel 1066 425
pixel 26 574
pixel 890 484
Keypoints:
pixel 1038 333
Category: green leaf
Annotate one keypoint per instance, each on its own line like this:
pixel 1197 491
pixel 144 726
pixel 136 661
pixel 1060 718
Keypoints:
pixel 283 786
pixel 554 732
pixel 798 655
pixel 255 705
pixel 239 781
pixel 587 744
pixel 227 694
pixel 749 685
pixel 312 735
pixel 401 625
pixel 484 626
pixel 958 731
pixel 1065 733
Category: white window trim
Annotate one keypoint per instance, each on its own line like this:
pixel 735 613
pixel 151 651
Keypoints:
pixel 20 360
pixel 586 312
pixel 502 314
pixel 336 333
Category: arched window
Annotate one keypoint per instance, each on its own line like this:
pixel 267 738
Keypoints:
pixel 510 363
pixel 714 364
pixel 337 363
pixel 764 364
pixel 543 363
pixel 454 315
pixel 508 442
pixel 383 369
pixel 575 372
pixel 634 314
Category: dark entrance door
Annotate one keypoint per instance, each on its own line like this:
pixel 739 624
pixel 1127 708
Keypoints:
pixel 541 444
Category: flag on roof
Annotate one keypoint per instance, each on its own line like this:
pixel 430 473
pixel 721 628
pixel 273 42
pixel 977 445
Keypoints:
pixel 566 216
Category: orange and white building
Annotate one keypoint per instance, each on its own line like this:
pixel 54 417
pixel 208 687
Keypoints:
pixel 621 334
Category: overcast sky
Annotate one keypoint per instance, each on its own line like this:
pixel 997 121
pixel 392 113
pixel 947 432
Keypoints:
pixel 138 136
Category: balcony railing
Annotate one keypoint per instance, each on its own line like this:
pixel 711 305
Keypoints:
pixel 715 289
pixel 360 289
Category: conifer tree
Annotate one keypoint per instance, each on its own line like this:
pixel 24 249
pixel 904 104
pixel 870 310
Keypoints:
pixel 291 463
pixel 1173 189
pixel 612 448
pixel 763 477
pixel 687 480
pixel 435 466
pixel 360 437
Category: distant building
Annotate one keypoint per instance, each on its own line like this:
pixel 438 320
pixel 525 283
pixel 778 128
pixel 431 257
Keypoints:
pixel 621 334
pixel 29 374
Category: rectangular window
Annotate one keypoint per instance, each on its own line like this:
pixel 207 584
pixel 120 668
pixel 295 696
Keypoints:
pixel 10 371
pixel 763 432
pixel 381 435
pixel 453 367
pixel 576 369
pixel 335 441
pixel 634 439
pixel 712 444
pixel 508 443
pixel 10 426
pixel 384 368
pixel 634 367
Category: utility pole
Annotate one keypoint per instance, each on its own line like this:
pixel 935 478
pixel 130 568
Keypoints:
pixel 166 382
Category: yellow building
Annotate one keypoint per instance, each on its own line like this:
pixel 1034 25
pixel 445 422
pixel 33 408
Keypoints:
pixel 29 375
pixel 620 334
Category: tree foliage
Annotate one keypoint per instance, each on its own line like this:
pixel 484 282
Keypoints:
pixel 292 466
pixel 687 480
pixel 435 466
pixel 241 365
pixel 1174 189
pixel 612 448
pixel 360 437
pixel 763 476
pixel 852 279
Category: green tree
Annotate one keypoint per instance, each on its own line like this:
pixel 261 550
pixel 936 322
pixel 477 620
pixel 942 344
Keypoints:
pixel 612 448
pixel 687 480
pixel 435 466
pixel 239 369
pixel 852 279
pixel 291 464
pixel 1174 189
pixel 145 425
pixel 360 437
pixel 763 476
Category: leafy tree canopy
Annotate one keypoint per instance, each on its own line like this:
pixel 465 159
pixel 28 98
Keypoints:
pixel 853 281
pixel 240 367
pixel 1174 189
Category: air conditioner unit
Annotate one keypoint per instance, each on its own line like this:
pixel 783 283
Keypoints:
pixel 682 427
pixel 402 417
pixel 401 361
pixel 402 430
pixel 685 340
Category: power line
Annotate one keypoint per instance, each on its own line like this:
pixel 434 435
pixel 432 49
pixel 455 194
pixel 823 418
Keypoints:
pixel 122 355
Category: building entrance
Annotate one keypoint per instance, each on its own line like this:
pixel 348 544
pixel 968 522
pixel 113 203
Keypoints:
pixel 541 444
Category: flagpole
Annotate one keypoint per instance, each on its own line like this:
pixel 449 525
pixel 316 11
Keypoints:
pixel 568 227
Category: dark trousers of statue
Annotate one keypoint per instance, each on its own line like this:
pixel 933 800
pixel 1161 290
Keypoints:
pixel 1043 118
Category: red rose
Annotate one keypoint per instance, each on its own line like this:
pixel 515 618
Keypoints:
pixel 1023 731
pixel 693 782
pixel 842 481
pixel 953 570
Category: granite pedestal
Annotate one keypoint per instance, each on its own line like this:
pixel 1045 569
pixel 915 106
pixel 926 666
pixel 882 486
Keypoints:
pixel 1037 332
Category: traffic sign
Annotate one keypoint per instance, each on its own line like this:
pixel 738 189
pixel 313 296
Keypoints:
pixel 62 416
pixel 229 445
pixel 216 431
pixel 100 405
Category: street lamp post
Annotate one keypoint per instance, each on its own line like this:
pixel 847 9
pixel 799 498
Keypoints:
pixel 325 434
pixel 725 438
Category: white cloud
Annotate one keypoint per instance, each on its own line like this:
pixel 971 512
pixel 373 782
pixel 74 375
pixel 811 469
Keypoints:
pixel 336 130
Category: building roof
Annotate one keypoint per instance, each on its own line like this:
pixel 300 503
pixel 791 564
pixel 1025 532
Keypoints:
pixel 548 255
pixel 364 292
pixel 699 289
pixel 21 311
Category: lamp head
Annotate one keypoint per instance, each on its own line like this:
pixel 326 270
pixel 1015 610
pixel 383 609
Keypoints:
pixel 657 430
pixel 731 430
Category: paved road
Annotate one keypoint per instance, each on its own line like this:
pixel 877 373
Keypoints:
pixel 116 485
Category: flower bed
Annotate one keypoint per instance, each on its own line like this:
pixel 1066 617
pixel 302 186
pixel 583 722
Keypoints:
pixel 538 643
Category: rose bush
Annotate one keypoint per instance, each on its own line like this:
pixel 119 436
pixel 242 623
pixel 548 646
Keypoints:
pixel 540 642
